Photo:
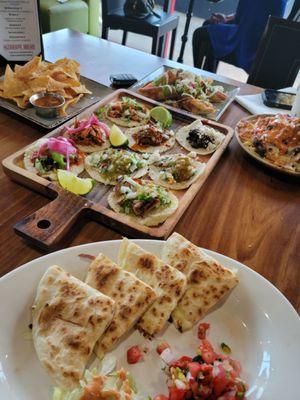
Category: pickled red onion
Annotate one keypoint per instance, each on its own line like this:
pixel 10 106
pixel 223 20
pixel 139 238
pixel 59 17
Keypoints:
pixel 60 145
pixel 87 123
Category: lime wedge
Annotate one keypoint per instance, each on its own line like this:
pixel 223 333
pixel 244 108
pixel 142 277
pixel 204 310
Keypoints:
pixel 117 137
pixel 162 115
pixel 72 183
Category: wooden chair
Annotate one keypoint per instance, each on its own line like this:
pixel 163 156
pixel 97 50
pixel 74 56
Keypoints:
pixel 277 60
pixel 157 27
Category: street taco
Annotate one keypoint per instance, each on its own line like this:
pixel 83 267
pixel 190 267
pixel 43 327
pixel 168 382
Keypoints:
pixel 127 112
pixel 109 165
pixel 143 201
pixel 90 135
pixel 202 139
pixel 150 138
pixel 48 155
pixel 175 171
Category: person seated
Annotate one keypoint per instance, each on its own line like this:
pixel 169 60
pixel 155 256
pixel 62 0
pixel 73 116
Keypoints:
pixel 234 38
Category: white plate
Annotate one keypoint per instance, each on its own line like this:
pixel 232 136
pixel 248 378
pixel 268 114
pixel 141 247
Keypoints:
pixel 256 321
pixel 256 156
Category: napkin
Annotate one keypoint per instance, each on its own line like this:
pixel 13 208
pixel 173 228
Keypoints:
pixel 254 103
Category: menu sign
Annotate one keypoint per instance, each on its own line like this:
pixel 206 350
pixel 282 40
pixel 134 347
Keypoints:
pixel 20 34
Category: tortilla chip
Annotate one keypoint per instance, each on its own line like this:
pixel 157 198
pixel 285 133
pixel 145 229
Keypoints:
pixel 22 72
pixel 22 102
pixel 40 76
pixel 68 103
pixel 12 87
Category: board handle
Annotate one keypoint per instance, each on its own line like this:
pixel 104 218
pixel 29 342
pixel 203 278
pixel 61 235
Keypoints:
pixel 47 227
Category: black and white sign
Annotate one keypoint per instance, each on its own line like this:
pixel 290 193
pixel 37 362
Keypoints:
pixel 20 33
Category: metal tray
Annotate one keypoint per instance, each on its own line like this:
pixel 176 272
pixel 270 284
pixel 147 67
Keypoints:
pixel 231 90
pixel 98 92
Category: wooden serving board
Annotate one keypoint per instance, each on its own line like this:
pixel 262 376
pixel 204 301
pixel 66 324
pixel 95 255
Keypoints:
pixel 47 227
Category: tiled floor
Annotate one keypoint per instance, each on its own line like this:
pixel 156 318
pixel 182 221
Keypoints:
pixel 144 43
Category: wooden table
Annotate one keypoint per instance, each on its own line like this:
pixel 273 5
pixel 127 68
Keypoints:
pixel 243 211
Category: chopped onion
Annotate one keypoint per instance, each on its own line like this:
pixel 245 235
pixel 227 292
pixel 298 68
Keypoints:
pixel 167 356
pixel 131 181
pixel 179 384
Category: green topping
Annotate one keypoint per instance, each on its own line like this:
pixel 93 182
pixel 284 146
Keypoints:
pixel 145 196
pixel 100 113
pixel 129 102
pixel 225 348
pixel 38 165
pixel 59 159
pixel 132 383
pixel 113 163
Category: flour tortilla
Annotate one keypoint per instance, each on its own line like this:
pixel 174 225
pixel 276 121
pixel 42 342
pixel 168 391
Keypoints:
pixel 95 174
pixel 149 149
pixel 68 317
pixel 90 148
pixel 128 124
pixel 51 175
pixel 207 280
pixel 154 173
pixel 132 298
pixel 168 283
pixel 152 218
pixel 182 134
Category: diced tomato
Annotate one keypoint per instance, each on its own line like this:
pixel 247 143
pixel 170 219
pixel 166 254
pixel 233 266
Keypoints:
pixel 161 397
pixel 134 355
pixel 202 328
pixel 206 371
pixel 207 352
pixel 236 365
pixel 205 392
pixel 194 388
pixel 231 395
pixel 162 346
pixel 176 394
pixel 194 369
pixel 221 382
pixel 181 362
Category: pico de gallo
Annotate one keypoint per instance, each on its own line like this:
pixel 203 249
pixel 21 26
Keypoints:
pixel 209 375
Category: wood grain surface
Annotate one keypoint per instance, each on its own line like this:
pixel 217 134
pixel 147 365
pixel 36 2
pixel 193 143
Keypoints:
pixel 60 217
pixel 244 210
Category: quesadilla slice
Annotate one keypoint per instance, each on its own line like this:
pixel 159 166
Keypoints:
pixel 127 112
pixel 175 171
pixel 168 283
pixel 68 317
pixel 207 280
pixel 132 298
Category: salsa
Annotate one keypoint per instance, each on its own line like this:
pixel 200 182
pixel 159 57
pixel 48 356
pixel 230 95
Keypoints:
pixel 208 375
pixel 48 101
